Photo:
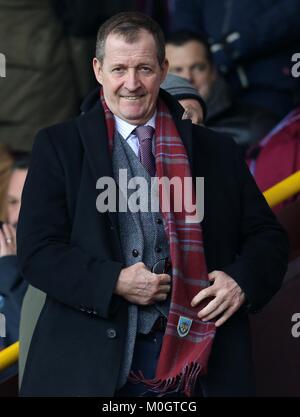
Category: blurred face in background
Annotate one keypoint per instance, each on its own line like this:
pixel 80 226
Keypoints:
pixel 190 61
pixel 14 193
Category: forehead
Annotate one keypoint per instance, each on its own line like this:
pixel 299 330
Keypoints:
pixel 118 50
pixel 190 52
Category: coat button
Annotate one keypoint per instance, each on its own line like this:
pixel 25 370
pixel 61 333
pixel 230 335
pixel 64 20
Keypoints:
pixel 111 333
pixel 135 253
pixel 158 221
pixel 158 249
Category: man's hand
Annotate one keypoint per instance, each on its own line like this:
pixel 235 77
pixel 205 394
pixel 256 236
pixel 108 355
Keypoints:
pixel 7 240
pixel 140 286
pixel 227 298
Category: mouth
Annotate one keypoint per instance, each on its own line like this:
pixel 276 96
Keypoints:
pixel 133 98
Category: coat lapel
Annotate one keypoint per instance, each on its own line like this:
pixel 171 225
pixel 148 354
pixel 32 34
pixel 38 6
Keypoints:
pixel 92 129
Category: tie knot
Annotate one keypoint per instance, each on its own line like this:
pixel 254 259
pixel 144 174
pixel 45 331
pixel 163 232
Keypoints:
pixel 144 132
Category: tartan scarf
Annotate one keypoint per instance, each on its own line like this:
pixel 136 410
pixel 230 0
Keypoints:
pixel 182 359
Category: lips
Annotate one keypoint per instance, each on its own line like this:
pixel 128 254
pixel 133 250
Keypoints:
pixel 132 98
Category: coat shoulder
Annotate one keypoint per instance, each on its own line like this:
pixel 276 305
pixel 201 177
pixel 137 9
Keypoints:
pixel 64 134
pixel 213 143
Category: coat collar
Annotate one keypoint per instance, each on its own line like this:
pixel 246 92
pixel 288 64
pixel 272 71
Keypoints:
pixel 93 133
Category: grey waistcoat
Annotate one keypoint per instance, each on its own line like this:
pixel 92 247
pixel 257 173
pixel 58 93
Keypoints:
pixel 138 231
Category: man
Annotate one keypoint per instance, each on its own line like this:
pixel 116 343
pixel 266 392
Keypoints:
pixel 252 43
pixel 189 56
pixel 129 298
pixel 12 285
pixel 34 72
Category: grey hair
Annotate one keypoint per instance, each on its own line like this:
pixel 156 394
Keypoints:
pixel 129 25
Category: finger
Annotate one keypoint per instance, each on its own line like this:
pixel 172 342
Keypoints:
pixel 228 313
pixel 164 289
pixel 207 292
pixel 12 230
pixel 160 297
pixel 185 115
pixel 9 235
pixel 164 278
pixel 6 231
pixel 2 239
pixel 9 239
pixel 213 275
pixel 219 310
pixel 211 306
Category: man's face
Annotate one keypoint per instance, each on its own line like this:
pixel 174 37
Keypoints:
pixel 189 61
pixel 14 193
pixel 131 76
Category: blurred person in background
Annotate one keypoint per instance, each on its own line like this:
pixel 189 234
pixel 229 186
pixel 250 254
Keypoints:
pixel 12 286
pixel 48 54
pixel 188 97
pixel 6 161
pixel 39 85
pixel 189 56
pixel 252 43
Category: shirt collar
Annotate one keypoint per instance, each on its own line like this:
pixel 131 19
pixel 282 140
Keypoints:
pixel 126 129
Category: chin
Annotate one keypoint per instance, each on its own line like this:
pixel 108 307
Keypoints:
pixel 134 119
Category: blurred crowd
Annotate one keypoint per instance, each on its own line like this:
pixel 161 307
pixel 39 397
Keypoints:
pixel 231 65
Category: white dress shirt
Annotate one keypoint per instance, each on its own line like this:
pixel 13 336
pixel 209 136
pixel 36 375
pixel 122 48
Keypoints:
pixel 126 130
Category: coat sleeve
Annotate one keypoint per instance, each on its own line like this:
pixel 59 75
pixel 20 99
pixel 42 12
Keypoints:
pixel 259 35
pixel 47 259
pixel 263 255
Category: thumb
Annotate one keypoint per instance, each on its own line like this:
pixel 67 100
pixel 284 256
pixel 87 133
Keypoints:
pixel 213 275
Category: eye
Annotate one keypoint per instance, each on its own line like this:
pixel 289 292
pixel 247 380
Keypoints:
pixel 176 70
pixel 12 201
pixel 118 70
pixel 146 70
pixel 199 67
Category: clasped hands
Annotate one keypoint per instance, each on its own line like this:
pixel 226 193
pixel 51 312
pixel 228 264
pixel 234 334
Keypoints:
pixel 140 286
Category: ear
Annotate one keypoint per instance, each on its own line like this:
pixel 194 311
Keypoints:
pixel 164 67
pixel 97 66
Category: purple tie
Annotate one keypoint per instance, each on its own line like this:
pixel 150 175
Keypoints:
pixel 144 135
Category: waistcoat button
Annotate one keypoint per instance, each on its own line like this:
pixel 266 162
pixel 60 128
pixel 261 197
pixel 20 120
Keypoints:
pixel 135 253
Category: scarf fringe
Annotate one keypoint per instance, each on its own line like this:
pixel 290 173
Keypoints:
pixel 184 382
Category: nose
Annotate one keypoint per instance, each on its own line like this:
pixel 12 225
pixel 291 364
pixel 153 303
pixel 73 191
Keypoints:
pixel 187 74
pixel 132 81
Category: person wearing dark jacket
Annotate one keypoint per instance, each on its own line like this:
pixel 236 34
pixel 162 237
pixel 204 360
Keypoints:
pixel 189 56
pixel 139 302
pixel 252 44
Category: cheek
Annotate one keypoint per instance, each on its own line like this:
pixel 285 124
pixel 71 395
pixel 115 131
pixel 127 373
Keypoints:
pixel 152 87
pixel 110 88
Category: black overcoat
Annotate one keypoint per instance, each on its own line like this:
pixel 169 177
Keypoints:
pixel 72 252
